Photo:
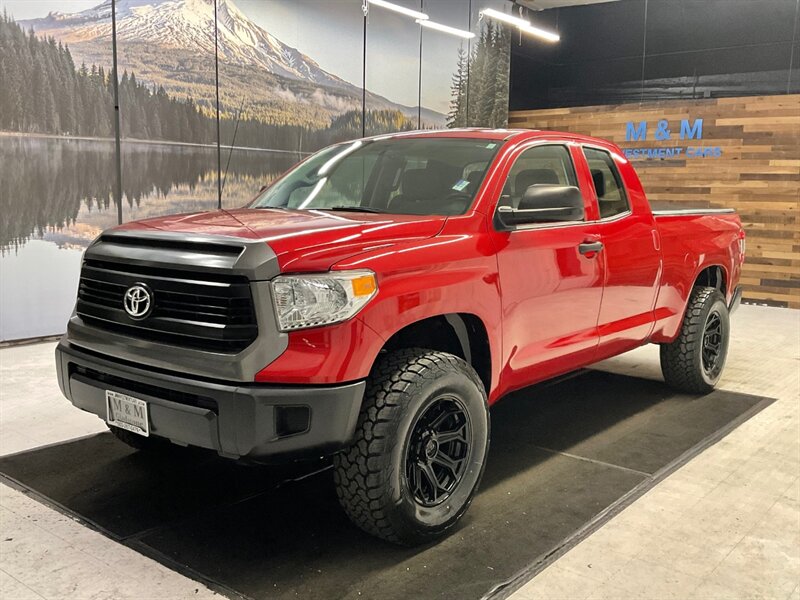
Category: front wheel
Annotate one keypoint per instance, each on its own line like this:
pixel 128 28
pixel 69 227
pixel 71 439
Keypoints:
pixel 693 362
pixel 419 448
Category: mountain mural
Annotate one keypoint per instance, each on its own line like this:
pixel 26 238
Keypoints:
pixel 170 43
pixel 58 159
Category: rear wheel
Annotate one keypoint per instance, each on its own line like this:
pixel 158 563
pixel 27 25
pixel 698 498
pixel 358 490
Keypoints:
pixel 419 448
pixel 694 361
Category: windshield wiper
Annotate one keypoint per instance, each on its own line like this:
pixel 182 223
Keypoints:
pixel 366 209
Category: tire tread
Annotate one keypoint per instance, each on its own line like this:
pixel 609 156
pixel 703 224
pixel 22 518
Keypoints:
pixel 360 472
pixel 678 358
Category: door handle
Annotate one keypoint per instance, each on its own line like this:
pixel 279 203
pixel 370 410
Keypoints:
pixel 590 248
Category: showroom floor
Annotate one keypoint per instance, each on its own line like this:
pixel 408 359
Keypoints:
pixel 726 525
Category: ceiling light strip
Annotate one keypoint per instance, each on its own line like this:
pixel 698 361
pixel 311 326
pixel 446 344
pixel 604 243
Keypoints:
pixel 541 33
pixel 446 29
pixel 522 24
pixel 399 9
pixel 506 18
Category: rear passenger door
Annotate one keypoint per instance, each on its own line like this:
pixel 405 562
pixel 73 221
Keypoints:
pixel 631 258
pixel 551 286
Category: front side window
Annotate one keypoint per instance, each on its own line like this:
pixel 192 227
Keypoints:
pixel 540 165
pixel 607 183
pixel 412 176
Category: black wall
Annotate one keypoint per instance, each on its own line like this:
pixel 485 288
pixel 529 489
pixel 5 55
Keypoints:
pixel 642 50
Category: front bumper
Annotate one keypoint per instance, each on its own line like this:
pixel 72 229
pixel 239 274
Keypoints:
pixel 238 420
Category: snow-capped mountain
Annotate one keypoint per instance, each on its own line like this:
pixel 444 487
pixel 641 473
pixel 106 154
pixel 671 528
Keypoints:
pixel 188 25
pixel 171 43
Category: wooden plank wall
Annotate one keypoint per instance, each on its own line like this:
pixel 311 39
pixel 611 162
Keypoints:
pixel 758 172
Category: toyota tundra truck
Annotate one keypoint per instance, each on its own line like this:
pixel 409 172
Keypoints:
pixel 374 301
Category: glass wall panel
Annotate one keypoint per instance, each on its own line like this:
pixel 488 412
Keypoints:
pixel 393 59
pixel 290 83
pixel 167 87
pixel 487 91
pixel 444 65
pixel 56 157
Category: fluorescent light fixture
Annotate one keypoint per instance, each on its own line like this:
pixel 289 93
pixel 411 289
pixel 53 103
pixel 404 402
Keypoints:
pixel 446 29
pixel 506 18
pixel 522 24
pixel 541 33
pixel 400 9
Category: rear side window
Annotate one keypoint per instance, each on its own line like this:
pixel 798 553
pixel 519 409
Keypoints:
pixel 548 165
pixel 607 183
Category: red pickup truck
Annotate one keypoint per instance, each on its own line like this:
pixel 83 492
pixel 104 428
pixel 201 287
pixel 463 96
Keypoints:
pixel 375 300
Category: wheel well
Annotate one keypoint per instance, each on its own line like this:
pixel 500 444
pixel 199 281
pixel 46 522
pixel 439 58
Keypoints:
pixel 712 277
pixel 461 334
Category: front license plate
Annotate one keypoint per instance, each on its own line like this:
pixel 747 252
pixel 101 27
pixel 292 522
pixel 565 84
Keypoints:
pixel 127 412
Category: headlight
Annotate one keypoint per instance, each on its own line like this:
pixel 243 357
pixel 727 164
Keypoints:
pixel 312 300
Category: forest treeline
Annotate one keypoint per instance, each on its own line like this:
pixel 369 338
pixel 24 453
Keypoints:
pixel 479 90
pixel 43 91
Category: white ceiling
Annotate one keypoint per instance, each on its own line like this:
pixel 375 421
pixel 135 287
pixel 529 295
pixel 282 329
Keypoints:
pixel 545 4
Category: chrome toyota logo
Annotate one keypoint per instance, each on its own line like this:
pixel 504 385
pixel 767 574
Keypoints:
pixel 138 301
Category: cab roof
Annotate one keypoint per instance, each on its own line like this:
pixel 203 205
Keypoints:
pixel 515 134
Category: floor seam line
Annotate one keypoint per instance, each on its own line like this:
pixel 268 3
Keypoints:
pixel 594 461
pixel 23 584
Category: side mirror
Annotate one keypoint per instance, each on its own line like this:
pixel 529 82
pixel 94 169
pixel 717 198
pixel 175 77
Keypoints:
pixel 543 203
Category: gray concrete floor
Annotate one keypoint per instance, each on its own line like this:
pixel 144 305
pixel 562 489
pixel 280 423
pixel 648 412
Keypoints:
pixel 726 525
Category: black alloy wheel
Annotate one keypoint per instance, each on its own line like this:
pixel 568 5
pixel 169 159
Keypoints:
pixel 438 451
pixel 712 342
pixel 694 361
pixel 419 447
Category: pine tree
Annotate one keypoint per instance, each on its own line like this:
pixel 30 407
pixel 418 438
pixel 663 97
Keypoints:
pixel 499 116
pixel 479 90
pixel 489 89
pixel 457 117
pixel 38 116
pixel 477 79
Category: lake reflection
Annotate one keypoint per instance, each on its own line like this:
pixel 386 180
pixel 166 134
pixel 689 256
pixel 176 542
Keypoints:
pixel 59 193
pixel 62 189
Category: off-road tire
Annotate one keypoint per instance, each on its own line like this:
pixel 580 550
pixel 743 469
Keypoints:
pixel 682 360
pixel 139 442
pixel 371 477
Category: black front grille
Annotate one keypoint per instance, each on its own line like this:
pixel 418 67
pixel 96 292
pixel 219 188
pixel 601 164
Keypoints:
pixel 137 387
pixel 190 309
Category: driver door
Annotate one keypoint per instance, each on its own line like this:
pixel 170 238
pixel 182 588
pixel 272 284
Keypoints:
pixel 551 286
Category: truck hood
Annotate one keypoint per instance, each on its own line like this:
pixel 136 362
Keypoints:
pixel 303 240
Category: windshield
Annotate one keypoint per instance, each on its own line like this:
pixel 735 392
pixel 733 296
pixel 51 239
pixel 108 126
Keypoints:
pixel 407 176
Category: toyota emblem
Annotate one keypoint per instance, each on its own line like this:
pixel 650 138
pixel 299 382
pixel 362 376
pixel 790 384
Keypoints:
pixel 138 301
